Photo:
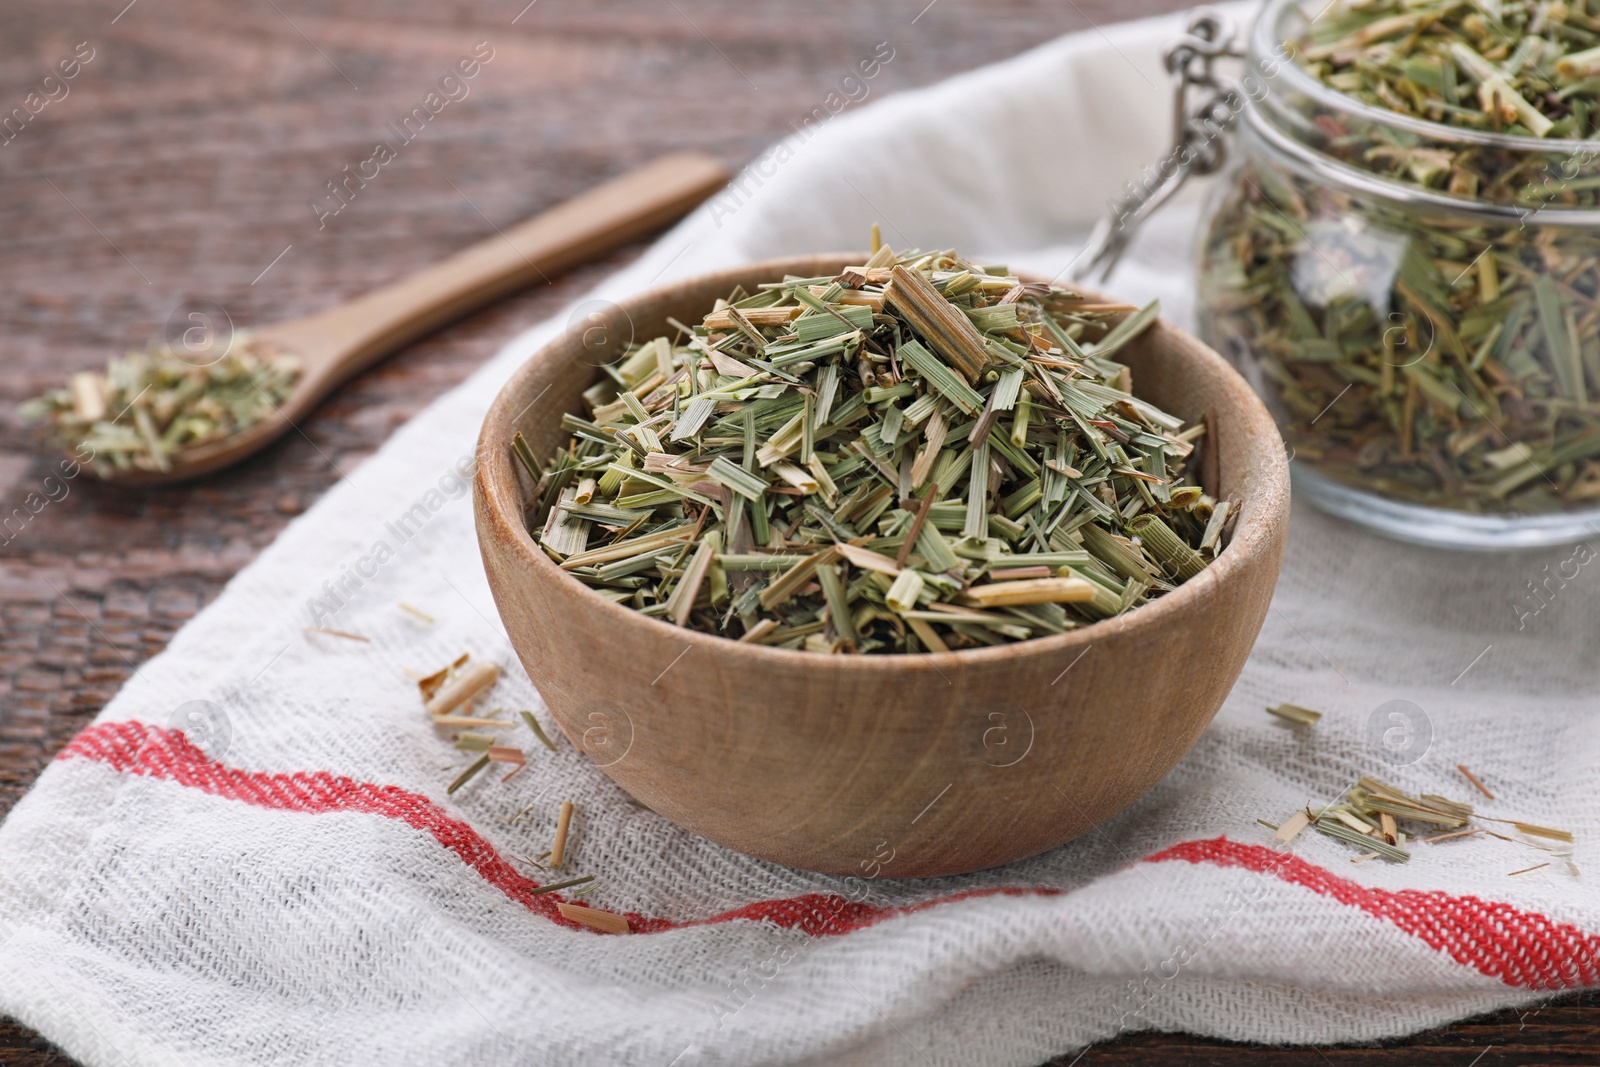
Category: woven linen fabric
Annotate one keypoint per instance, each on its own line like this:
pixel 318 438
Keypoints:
pixel 277 875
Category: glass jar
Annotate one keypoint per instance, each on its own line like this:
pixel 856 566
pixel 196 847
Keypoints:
pixel 1419 305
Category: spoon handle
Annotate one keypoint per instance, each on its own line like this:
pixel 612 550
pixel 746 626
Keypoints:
pixel 343 340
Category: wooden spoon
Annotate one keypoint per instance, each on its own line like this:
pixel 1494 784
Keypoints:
pixel 335 344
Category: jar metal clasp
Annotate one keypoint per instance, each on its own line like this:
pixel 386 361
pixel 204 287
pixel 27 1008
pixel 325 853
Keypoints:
pixel 1205 106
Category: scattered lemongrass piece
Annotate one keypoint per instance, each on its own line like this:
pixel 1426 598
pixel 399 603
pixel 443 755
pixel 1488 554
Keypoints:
pixel 506 754
pixel 467 775
pixel 466 721
pixel 471 680
pixel 538 731
pixel 1292 826
pixel 1296 714
pixel 337 633
pixel 605 921
pixel 418 612
pixel 430 684
pixel 558 851
pixel 1339 831
pixel 1454 833
pixel 568 884
pixel 1364 857
pixel 1535 830
pixel 1474 780
pixel 1526 870
pixel 1391 832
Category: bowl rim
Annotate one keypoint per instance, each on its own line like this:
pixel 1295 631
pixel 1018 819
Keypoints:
pixel 498 500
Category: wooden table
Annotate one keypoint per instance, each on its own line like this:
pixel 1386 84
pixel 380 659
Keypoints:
pixel 179 169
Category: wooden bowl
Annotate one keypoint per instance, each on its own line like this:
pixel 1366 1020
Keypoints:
pixel 881 765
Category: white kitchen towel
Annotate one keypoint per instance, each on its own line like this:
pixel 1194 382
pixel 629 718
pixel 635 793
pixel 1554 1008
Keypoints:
pixel 251 858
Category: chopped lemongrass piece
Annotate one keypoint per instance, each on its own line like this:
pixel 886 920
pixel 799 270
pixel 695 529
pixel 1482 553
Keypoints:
pixel 1527 870
pixel 418 612
pixel 538 731
pixel 1535 830
pixel 1296 714
pixel 604 921
pixel 1452 834
pixel 759 630
pixel 554 886
pixel 868 560
pixel 1029 591
pixel 337 633
pixel 1292 826
pixel 558 850
pixel 467 775
pixel 1341 832
pixel 467 683
pixel 1474 780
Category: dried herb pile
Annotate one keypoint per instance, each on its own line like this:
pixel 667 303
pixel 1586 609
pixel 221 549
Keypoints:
pixel 1506 66
pixel 1371 815
pixel 149 406
pixel 1431 358
pixel 919 454
pixel 1526 69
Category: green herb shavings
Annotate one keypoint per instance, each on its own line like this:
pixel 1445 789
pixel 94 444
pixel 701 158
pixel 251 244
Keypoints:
pixel 1524 68
pixel 148 407
pixel 1430 358
pixel 918 454
pixel 1371 813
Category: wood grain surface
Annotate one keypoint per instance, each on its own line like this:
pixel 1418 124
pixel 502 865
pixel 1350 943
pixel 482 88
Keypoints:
pixel 180 168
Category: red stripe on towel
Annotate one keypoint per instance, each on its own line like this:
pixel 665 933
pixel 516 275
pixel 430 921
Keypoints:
pixel 1520 948
pixel 135 748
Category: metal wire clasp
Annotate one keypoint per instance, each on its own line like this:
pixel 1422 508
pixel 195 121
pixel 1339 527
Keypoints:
pixel 1204 107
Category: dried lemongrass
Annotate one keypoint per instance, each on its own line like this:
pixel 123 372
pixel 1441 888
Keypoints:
pixel 1474 780
pixel 416 612
pixel 1340 831
pixel 605 921
pixel 470 680
pixel 538 731
pixel 1292 826
pixel 467 775
pixel 149 407
pixel 1430 59
pixel 558 850
pixel 568 884
pixel 1370 815
pixel 1296 714
pixel 337 633
pixel 917 454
